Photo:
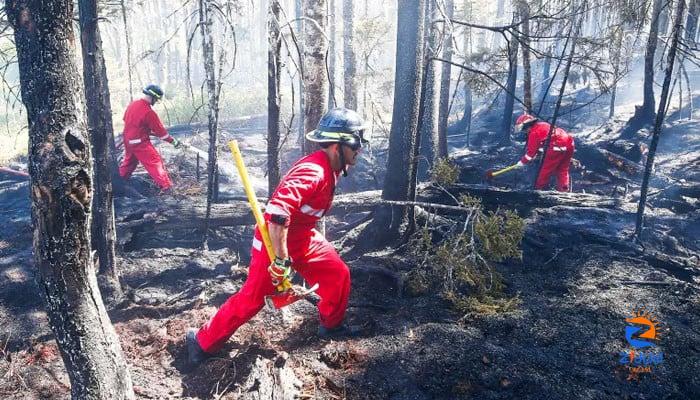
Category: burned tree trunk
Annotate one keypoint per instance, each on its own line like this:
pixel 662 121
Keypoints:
pixel 428 120
pixel 444 107
pixel 349 59
pixel 574 34
pixel 315 76
pixel 99 113
pixel 644 115
pixel 298 14
pixel 205 20
pixel 618 36
pixel 60 166
pixel 127 36
pixel 404 125
pixel 524 12
pixel 507 122
pixel 660 115
pixel 273 96
pixel 331 53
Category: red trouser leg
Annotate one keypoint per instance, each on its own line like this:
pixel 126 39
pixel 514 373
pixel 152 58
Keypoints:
pixel 128 165
pixel 153 163
pixel 563 184
pixel 551 162
pixel 240 307
pixel 323 265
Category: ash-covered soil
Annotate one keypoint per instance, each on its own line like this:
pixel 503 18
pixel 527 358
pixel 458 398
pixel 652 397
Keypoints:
pixel 580 277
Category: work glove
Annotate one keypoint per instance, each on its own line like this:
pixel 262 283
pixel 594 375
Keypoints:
pixel 176 143
pixel 281 273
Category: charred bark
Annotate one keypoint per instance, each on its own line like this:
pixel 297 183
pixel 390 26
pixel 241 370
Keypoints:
pixel 127 37
pixel 331 51
pixel 315 76
pixel 213 88
pixel 273 96
pixel 644 115
pixel 507 121
pixel 60 165
pixel 445 77
pixel 404 125
pixel 99 116
pixel 349 59
pixel 524 12
pixel 428 120
pixel 660 115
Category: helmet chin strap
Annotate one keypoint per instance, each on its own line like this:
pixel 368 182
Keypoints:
pixel 343 165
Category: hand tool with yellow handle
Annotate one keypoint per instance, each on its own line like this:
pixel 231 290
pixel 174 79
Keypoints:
pixel 288 294
pixel 491 174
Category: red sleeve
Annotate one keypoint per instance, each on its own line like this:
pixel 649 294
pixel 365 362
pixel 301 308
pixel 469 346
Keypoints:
pixel 156 127
pixel 300 183
pixel 534 141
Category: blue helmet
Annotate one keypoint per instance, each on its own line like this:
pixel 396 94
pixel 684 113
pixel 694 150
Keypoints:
pixel 154 91
pixel 340 125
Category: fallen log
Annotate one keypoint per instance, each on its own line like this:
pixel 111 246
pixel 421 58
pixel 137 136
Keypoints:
pixel 14 172
pixel 172 214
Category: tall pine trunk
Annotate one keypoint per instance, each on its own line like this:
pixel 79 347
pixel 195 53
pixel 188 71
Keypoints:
pixel 315 76
pixel 349 59
pixel 429 97
pixel 205 20
pixel 99 116
pixel 60 166
pixel 660 115
pixel 404 123
pixel 273 96
pixel 298 14
pixel 127 37
pixel 524 12
pixel 445 78
pixel 331 53
pixel 507 121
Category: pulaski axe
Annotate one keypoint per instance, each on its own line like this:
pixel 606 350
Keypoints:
pixel 296 292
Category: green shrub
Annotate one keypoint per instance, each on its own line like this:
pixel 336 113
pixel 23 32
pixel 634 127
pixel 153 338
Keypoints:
pixel 457 260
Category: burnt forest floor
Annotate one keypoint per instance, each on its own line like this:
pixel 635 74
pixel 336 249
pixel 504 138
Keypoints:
pixel 580 277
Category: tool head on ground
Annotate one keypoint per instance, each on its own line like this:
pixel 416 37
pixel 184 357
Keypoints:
pixel 523 122
pixel 290 296
pixel 154 91
pixel 340 125
pixel 489 174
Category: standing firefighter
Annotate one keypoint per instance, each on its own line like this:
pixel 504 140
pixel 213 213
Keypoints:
pixel 302 197
pixel 558 156
pixel 141 121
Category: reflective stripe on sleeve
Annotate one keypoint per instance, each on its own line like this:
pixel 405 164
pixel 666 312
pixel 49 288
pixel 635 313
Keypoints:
pixel 308 210
pixel 528 157
pixel 275 209
pixel 134 141
pixel 257 245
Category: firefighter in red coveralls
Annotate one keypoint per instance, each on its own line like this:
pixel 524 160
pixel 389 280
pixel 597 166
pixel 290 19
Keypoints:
pixel 302 197
pixel 558 156
pixel 141 121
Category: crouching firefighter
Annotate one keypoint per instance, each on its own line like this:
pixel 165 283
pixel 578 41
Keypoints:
pixel 557 157
pixel 140 122
pixel 303 196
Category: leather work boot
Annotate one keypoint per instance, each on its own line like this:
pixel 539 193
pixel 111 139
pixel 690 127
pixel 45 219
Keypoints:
pixel 339 332
pixel 195 354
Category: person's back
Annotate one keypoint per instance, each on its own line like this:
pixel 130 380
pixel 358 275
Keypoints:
pixel 135 121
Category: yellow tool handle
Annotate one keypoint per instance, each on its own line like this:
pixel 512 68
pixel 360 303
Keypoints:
pixel 504 170
pixel 252 200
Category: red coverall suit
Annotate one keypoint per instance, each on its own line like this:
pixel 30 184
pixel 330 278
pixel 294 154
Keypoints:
pixel 304 195
pixel 557 159
pixel 139 122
